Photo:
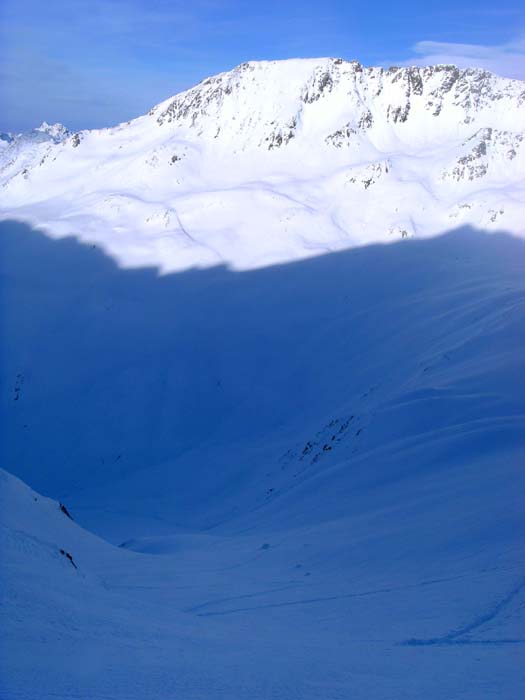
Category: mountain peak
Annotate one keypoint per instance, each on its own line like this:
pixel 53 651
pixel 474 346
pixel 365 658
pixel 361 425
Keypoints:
pixel 56 131
pixel 255 96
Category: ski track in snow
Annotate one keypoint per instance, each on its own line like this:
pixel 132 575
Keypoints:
pixel 448 638
pixel 454 636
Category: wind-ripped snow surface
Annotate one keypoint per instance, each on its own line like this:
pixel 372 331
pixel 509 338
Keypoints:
pixel 269 481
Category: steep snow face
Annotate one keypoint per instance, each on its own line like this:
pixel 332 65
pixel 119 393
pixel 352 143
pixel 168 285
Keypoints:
pixel 214 396
pixel 281 160
pixel 314 471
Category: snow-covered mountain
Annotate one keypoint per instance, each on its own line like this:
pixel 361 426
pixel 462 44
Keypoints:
pixel 45 133
pixel 308 475
pixel 279 160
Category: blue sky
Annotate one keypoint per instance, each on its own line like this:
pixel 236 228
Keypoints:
pixel 90 63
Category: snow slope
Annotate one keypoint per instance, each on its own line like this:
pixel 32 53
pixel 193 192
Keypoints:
pixel 282 160
pixel 239 616
pixel 314 471
pixel 302 447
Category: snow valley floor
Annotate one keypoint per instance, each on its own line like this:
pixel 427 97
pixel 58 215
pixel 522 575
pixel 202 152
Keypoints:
pixel 301 481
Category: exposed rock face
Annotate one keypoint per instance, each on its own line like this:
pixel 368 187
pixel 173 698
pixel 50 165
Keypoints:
pixel 392 96
pixel 482 151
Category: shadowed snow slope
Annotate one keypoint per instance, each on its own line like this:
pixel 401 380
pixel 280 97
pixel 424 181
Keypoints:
pixel 314 471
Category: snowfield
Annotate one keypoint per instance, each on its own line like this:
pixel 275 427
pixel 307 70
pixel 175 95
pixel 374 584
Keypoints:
pixel 278 383
pixel 281 160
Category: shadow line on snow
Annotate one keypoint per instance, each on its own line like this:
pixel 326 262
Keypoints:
pixel 108 376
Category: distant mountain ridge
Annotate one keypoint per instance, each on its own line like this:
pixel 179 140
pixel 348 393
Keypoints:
pixel 45 132
pixel 278 160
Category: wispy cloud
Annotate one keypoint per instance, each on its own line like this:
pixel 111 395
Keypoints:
pixel 116 58
pixel 93 63
pixel 119 57
pixel 507 60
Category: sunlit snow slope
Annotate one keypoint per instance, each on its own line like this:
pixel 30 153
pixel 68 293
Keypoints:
pixel 275 161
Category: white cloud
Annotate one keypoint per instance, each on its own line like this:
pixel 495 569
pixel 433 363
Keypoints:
pixel 507 60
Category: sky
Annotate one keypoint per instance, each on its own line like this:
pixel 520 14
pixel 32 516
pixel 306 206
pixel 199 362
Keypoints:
pixel 94 63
